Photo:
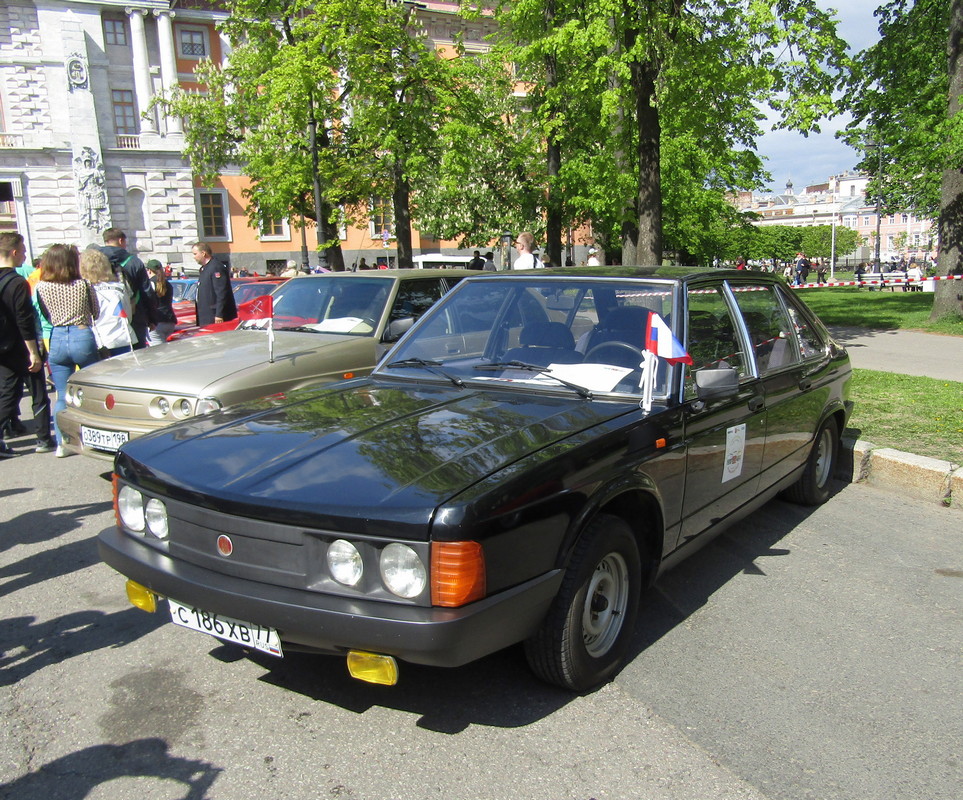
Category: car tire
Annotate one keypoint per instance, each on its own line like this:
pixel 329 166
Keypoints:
pixel 812 488
pixel 584 638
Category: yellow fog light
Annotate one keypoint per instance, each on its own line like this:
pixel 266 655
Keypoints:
pixel 373 668
pixel 141 597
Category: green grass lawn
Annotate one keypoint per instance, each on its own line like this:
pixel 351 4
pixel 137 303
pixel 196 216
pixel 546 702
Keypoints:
pixel 883 310
pixel 916 415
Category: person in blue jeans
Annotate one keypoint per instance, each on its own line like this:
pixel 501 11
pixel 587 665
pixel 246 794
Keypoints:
pixel 70 304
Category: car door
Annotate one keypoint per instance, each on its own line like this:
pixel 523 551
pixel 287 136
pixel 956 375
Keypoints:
pixel 789 352
pixel 725 438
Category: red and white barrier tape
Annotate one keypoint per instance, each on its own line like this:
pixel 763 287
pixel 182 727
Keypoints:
pixel 883 282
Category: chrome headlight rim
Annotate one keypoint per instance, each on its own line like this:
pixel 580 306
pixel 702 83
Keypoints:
pixel 403 572
pixel 130 509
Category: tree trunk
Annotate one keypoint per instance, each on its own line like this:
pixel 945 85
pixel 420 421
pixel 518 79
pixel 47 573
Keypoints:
pixel 553 207
pixel 949 294
pixel 401 197
pixel 648 241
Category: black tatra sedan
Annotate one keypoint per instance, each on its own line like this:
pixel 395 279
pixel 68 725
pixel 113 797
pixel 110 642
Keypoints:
pixel 518 468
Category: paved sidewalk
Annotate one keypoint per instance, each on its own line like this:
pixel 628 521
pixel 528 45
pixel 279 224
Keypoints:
pixel 908 353
pixel 928 355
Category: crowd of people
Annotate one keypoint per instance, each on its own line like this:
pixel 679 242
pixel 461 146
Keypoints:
pixel 72 308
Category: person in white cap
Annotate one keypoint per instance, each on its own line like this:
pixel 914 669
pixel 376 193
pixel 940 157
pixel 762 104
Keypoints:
pixel 593 258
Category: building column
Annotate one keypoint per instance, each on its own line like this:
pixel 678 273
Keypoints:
pixel 142 88
pixel 165 35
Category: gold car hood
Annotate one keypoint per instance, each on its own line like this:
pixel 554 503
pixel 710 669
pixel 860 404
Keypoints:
pixel 195 366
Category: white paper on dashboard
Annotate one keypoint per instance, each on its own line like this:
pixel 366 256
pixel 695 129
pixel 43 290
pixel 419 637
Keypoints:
pixel 338 325
pixel 596 377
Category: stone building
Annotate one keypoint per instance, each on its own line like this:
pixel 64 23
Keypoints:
pixel 842 200
pixel 78 154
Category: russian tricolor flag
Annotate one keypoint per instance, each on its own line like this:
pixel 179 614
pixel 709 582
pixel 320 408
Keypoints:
pixel 660 341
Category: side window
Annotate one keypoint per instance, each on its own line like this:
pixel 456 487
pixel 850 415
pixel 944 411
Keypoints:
pixel 811 342
pixel 415 298
pixel 770 330
pixel 711 337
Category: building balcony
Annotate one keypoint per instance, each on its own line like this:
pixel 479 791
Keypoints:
pixel 11 139
pixel 128 141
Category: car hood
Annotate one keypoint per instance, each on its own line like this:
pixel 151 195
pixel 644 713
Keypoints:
pixel 190 365
pixel 365 456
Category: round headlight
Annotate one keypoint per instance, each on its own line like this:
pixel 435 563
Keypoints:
pixel 345 562
pixel 402 571
pixel 206 405
pixel 130 506
pixel 183 408
pixel 156 515
pixel 163 405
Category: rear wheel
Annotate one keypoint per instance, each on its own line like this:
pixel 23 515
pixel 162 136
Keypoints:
pixel 584 638
pixel 812 488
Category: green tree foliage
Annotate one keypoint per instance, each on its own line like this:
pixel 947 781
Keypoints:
pixel 816 241
pixel 654 105
pixel 375 88
pixel 905 99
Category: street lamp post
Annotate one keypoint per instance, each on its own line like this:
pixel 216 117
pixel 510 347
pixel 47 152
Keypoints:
pixel 879 198
pixel 507 237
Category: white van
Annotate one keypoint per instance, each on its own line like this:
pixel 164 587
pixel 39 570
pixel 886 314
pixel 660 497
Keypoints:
pixel 440 261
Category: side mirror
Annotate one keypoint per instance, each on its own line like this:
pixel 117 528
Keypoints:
pixel 712 384
pixel 396 328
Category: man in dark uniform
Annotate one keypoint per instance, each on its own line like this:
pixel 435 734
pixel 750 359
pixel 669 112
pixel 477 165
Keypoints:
pixel 134 274
pixel 215 297
pixel 20 357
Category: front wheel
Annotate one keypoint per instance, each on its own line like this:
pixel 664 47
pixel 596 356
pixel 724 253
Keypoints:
pixel 812 488
pixel 584 638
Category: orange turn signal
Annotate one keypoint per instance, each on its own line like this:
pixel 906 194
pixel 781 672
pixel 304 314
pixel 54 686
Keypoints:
pixel 457 573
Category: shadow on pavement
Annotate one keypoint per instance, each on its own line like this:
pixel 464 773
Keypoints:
pixel 27 646
pixel 77 774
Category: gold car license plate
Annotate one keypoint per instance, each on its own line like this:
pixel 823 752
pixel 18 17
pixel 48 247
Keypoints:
pixel 245 634
pixel 98 439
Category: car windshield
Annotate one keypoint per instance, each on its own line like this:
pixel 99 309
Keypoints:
pixel 329 304
pixel 561 334
pixel 248 291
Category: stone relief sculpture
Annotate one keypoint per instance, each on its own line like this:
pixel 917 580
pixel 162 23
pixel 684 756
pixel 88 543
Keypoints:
pixel 77 75
pixel 92 185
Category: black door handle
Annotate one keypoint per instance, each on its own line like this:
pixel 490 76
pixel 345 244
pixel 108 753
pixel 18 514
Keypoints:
pixel 804 384
pixel 756 402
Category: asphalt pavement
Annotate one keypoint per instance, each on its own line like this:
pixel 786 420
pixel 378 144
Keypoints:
pixel 905 352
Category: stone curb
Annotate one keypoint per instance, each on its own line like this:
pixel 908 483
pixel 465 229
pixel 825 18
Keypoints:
pixel 930 479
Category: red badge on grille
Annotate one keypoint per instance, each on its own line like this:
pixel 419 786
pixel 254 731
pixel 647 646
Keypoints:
pixel 224 545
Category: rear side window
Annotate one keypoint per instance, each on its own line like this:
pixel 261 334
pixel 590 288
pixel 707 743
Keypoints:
pixel 415 298
pixel 770 329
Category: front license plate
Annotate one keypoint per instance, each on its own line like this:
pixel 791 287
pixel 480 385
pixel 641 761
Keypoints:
pixel 103 440
pixel 245 634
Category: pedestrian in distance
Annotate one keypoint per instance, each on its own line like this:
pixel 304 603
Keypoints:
pixel 526 259
pixel 69 302
pixel 133 271
pixel 112 330
pixel 166 318
pixel 593 258
pixel 489 265
pixel 21 353
pixel 215 297
pixel 477 262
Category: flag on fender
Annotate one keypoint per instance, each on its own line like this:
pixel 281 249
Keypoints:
pixel 660 341
pixel 258 308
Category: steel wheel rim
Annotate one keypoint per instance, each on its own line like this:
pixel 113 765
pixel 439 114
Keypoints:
pixel 824 457
pixel 606 599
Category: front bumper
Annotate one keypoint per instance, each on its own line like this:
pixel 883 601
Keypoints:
pixel 444 637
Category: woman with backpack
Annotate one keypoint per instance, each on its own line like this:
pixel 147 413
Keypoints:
pixel 112 328
pixel 166 318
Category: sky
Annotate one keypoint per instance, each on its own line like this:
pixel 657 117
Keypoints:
pixel 812 159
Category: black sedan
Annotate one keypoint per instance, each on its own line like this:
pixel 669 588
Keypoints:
pixel 521 465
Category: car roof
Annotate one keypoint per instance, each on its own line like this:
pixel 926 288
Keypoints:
pixel 391 274
pixel 674 274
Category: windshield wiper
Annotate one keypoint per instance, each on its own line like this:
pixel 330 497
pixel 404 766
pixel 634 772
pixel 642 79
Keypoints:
pixel 580 390
pixel 431 366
